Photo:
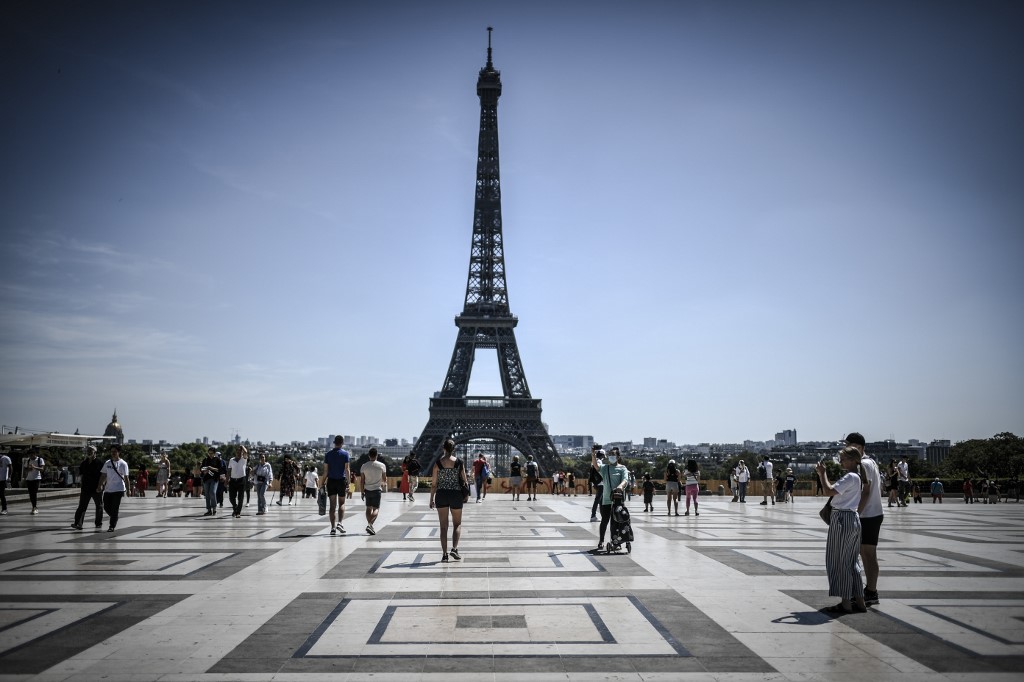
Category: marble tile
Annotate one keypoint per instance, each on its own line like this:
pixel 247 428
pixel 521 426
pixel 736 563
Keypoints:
pixel 732 595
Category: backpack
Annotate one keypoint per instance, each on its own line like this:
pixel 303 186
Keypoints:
pixel 413 467
pixel 531 469
pixel 762 473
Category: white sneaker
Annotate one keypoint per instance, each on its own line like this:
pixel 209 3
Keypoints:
pixel 370 530
pixel 341 529
pixel 35 511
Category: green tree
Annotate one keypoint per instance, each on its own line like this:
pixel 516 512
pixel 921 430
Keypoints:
pixel 187 456
pixel 1001 456
pixel 136 457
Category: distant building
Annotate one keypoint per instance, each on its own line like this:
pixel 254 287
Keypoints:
pixel 114 429
pixel 786 438
pixel 937 451
pixel 572 442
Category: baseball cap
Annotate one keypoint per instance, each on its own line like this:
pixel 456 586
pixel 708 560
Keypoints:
pixel 856 439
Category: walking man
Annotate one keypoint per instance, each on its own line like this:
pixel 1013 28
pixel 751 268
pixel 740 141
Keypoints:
pixel 373 477
pixel 870 511
pixel 904 473
pixel 479 474
pixel 5 480
pixel 114 483
pixel 336 476
pixel 33 477
pixel 767 480
pixel 237 474
pixel 89 471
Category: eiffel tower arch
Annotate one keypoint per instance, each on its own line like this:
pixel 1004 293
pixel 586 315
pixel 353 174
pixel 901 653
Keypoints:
pixel 486 323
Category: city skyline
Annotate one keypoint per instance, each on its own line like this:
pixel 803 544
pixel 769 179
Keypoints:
pixel 720 219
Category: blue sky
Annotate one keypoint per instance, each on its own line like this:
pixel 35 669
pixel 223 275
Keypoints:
pixel 722 219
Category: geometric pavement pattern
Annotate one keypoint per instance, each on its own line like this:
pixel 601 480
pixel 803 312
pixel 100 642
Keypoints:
pixel 735 593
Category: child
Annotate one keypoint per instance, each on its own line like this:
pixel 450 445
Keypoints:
pixel 648 493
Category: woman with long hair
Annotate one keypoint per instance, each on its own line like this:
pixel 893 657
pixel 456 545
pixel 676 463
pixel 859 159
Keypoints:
pixel 692 486
pixel 448 492
pixel 672 486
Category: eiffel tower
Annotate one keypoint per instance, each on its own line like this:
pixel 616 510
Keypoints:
pixel 486 323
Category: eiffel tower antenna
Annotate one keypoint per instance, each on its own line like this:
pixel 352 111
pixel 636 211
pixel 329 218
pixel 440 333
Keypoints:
pixel 513 418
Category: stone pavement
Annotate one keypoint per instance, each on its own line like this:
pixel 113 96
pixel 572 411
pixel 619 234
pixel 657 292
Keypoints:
pixel 733 594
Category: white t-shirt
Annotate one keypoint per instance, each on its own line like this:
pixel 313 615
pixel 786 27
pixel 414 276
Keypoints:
pixel 904 470
pixel 114 473
pixel 5 468
pixel 373 472
pixel 237 467
pixel 768 466
pixel 847 492
pixel 312 479
pixel 35 474
pixel 873 507
pixel 743 475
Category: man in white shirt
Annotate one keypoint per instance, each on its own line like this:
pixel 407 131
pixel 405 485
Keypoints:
pixel 5 480
pixel 34 476
pixel 767 479
pixel 373 476
pixel 113 484
pixel 904 470
pixel 238 467
pixel 870 511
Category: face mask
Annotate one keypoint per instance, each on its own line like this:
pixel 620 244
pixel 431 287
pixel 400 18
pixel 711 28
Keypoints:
pixel 612 459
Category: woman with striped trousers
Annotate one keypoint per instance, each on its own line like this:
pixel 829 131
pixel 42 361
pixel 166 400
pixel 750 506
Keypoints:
pixel 843 545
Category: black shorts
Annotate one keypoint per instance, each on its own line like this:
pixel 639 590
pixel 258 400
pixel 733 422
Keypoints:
pixel 869 529
pixel 336 486
pixel 448 498
pixel 372 498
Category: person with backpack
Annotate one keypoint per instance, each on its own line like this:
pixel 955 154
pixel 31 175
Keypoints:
pixel 515 479
pixel 532 474
pixel 480 475
pixel 33 477
pixel 764 471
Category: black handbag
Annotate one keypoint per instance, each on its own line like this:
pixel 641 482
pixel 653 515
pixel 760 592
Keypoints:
pixel 826 512
pixel 462 481
pixel 321 501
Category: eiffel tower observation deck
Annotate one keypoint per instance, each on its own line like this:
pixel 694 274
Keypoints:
pixel 486 323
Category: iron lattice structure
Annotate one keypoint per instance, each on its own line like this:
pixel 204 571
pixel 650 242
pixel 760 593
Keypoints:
pixel 487 323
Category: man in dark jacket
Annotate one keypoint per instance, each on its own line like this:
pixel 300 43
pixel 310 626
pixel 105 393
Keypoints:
pixel 89 475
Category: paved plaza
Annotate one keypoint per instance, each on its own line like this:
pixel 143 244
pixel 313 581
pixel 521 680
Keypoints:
pixel 734 594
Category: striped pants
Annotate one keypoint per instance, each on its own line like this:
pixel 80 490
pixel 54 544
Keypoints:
pixel 841 551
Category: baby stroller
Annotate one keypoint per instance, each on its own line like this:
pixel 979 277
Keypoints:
pixel 621 531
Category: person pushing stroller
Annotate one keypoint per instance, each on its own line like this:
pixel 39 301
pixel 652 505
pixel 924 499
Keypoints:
pixel 614 476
